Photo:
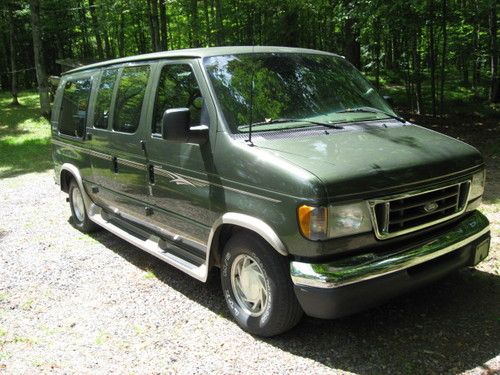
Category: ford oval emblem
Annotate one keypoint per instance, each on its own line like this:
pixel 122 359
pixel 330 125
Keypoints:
pixel 431 207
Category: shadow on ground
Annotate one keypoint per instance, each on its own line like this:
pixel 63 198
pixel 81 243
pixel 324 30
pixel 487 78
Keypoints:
pixel 24 137
pixel 448 327
pixel 32 155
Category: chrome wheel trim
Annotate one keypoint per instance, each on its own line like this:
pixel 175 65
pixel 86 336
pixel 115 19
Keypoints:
pixel 78 206
pixel 249 285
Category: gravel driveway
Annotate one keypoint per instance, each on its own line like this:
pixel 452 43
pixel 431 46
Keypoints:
pixel 71 303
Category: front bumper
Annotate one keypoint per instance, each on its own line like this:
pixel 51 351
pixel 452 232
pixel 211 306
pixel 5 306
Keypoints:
pixel 348 285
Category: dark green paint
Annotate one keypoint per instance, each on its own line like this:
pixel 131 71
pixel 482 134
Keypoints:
pixel 268 180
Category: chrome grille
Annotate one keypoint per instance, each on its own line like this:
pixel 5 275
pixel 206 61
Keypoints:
pixel 397 215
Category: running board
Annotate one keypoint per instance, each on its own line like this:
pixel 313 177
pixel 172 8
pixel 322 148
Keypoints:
pixel 148 242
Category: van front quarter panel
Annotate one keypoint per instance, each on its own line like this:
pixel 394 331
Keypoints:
pixel 283 167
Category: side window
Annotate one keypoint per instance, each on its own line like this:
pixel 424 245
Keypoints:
pixel 74 106
pixel 128 104
pixel 103 101
pixel 178 88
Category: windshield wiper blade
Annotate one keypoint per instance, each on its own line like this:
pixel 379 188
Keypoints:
pixel 283 120
pixel 372 110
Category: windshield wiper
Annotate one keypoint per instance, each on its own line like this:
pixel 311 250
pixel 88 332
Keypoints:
pixel 372 110
pixel 283 120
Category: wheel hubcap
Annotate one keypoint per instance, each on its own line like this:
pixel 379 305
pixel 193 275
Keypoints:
pixel 78 206
pixel 249 285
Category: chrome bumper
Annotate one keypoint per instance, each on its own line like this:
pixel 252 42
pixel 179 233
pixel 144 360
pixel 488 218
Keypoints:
pixel 371 265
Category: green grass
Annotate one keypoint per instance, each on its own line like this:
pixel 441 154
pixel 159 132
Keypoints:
pixel 149 275
pixel 24 136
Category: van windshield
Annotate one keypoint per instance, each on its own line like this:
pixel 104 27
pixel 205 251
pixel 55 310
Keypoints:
pixel 268 89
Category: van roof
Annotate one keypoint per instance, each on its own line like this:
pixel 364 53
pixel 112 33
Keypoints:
pixel 199 52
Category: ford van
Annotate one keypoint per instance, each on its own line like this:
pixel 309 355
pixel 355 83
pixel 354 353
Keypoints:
pixel 282 167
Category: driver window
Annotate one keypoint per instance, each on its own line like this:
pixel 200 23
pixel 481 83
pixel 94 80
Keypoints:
pixel 178 88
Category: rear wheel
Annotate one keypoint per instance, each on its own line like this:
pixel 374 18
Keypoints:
pixel 78 210
pixel 257 286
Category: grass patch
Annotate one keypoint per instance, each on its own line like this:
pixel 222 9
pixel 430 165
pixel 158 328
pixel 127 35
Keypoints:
pixel 24 136
pixel 149 275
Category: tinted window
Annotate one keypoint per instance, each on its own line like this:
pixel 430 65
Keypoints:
pixel 75 101
pixel 103 101
pixel 129 99
pixel 178 88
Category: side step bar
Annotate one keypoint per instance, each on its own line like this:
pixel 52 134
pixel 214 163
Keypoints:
pixel 148 242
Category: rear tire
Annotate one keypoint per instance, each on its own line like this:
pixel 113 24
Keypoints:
pixel 78 211
pixel 257 286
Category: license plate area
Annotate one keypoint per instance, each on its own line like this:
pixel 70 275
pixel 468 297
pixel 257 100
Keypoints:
pixel 481 251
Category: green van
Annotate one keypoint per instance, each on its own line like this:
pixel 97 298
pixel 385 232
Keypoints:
pixel 283 167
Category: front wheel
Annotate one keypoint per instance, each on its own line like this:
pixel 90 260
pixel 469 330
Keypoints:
pixel 257 286
pixel 78 212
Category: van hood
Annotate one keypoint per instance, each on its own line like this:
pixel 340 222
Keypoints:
pixel 374 158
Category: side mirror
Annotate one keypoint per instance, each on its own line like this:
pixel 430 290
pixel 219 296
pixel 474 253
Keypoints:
pixel 389 100
pixel 175 127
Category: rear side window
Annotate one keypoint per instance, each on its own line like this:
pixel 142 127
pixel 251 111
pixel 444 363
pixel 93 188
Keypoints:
pixel 104 95
pixel 178 88
pixel 128 104
pixel 74 106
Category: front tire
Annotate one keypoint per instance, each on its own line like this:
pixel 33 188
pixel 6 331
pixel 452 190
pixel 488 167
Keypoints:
pixel 78 211
pixel 257 286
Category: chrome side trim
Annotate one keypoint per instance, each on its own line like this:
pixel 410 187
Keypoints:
pixel 250 223
pixel 151 245
pixel 372 265
pixel 381 235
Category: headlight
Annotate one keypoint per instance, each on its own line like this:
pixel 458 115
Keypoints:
pixel 477 185
pixel 320 223
pixel 349 219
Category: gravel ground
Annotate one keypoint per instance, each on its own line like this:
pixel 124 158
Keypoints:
pixel 71 303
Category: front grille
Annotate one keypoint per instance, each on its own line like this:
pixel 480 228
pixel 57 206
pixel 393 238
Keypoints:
pixel 406 213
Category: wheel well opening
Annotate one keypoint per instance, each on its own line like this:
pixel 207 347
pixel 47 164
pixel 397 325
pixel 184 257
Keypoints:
pixel 66 178
pixel 221 237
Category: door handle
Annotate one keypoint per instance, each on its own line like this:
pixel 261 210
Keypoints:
pixel 115 164
pixel 151 173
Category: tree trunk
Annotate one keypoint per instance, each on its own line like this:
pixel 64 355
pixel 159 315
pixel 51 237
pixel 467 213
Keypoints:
pixel 352 48
pixel 194 24
pixel 13 67
pixel 41 73
pixel 417 78
pixel 208 28
pixel 218 21
pixel 87 49
pixel 377 28
pixel 432 52
pixel 153 24
pixel 96 30
pixel 494 83
pixel 121 35
pixel 163 25
pixel 443 56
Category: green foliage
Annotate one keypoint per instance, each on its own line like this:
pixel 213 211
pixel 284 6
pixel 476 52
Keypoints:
pixel 389 41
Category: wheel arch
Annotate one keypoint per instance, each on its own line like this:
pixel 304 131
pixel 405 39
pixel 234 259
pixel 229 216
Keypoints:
pixel 68 172
pixel 231 222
